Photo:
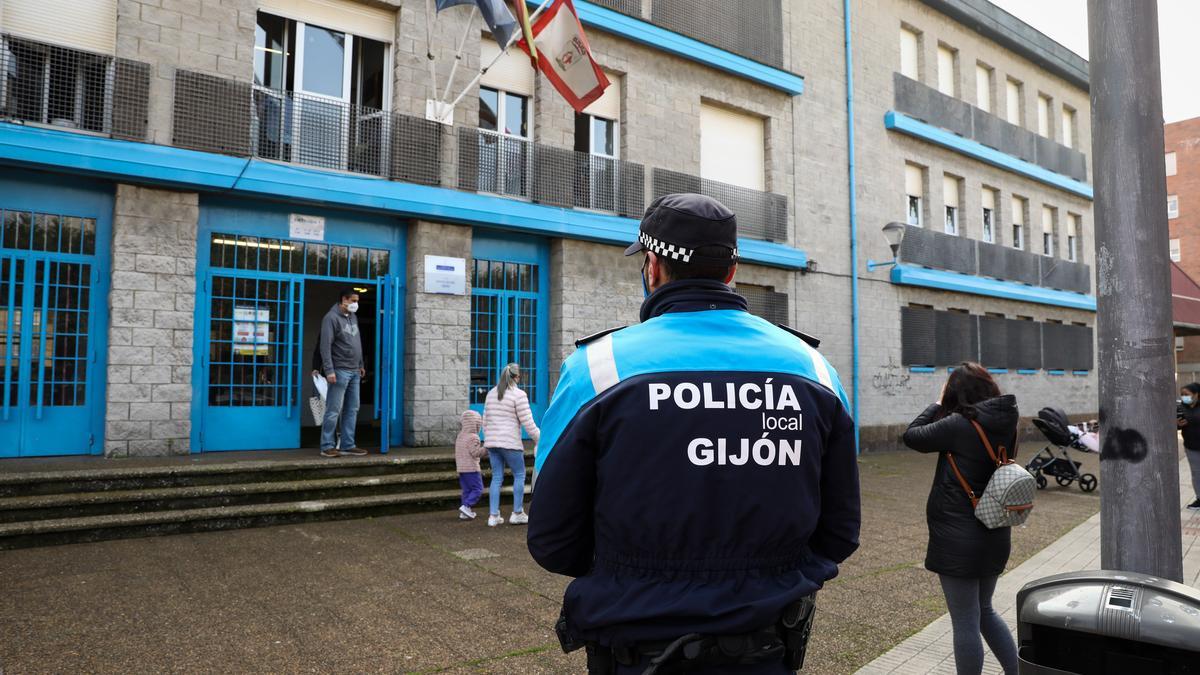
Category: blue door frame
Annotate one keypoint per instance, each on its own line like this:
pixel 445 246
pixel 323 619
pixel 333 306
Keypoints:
pixel 63 278
pixel 501 303
pixel 276 423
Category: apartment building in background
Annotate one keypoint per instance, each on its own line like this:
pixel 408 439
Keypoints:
pixel 1182 147
pixel 185 187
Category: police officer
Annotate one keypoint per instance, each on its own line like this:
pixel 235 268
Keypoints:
pixel 696 472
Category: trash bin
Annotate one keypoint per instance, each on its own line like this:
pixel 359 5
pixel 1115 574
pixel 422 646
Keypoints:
pixel 1108 622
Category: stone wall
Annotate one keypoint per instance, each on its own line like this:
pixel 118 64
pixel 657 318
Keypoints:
pixel 437 341
pixel 208 36
pixel 150 333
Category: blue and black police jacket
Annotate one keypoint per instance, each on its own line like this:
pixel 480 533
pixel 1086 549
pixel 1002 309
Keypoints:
pixel 696 473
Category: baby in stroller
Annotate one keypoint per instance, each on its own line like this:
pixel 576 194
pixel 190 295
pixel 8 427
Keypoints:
pixel 1055 459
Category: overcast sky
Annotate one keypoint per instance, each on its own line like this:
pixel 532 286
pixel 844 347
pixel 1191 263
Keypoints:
pixel 1066 22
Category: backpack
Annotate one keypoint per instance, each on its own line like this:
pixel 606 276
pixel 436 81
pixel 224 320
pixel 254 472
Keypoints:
pixel 1008 497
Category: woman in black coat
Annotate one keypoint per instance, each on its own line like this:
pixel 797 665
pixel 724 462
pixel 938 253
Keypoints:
pixel 967 556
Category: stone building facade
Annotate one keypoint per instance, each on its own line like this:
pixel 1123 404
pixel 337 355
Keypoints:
pixel 227 163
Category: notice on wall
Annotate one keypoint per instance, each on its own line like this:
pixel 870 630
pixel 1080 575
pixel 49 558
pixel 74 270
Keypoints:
pixel 251 331
pixel 447 276
pixel 311 228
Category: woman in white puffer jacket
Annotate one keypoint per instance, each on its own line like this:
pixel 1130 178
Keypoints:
pixel 505 411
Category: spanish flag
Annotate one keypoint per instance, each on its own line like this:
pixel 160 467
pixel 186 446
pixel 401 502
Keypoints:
pixel 526 29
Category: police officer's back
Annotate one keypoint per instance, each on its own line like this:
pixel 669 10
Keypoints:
pixel 696 472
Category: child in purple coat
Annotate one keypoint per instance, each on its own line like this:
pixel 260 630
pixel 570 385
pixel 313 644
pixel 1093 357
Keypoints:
pixel 468 450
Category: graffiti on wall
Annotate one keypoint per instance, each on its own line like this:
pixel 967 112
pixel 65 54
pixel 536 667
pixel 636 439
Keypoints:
pixel 892 379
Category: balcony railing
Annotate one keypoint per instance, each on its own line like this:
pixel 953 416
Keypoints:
pixel 760 215
pixel 968 256
pixel 215 114
pixel 516 167
pixel 70 88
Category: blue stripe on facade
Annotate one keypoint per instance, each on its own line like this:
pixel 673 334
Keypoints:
pixel 1081 373
pixel 1056 372
pixel 908 275
pixel 904 124
pixel 922 369
pixel 1026 371
pixel 653 36
pixel 188 169
pixel 998 371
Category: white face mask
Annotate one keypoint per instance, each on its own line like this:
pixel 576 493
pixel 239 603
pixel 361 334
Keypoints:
pixel 353 307
pixel 1187 400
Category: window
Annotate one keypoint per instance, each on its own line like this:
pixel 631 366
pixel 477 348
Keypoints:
pixel 1013 94
pixel 1018 222
pixel 947 65
pixel 597 131
pixel 505 121
pixel 950 189
pixel 910 53
pixel 1173 206
pixel 1047 231
pixel 732 147
pixel 48 84
pixel 988 197
pixel 1068 127
pixel 914 188
pixel 983 87
pixel 1073 229
pixel 1171 166
pixel 321 93
pixel 1043 116
pixel 1176 252
pixel 765 302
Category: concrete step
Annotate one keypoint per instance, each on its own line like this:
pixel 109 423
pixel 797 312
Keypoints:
pixel 125 525
pixel 21 484
pixel 96 503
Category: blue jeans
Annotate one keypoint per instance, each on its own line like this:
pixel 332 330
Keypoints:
pixel 515 460
pixel 342 401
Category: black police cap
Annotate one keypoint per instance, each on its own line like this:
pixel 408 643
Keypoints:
pixel 676 225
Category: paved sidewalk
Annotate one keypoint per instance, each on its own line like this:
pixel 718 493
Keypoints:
pixel 932 651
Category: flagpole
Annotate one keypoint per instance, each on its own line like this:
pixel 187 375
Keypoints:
pixel 483 71
pixel 430 12
pixel 459 54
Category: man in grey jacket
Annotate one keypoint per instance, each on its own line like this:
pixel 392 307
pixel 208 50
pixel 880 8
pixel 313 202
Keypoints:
pixel 342 363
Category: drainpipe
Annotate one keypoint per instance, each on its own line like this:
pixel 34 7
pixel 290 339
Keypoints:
pixel 854 319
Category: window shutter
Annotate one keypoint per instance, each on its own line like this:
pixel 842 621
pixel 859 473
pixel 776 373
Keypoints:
pixel 983 88
pixel 950 191
pixel 946 71
pixel 1047 219
pixel 914 181
pixel 91 26
pixel 989 199
pixel 1068 127
pixel 1073 225
pixel 1018 211
pixel 512 73
pixel 909 54
pixel 340 15
pixel 1013 102
pixel 732 148
pixel 608 105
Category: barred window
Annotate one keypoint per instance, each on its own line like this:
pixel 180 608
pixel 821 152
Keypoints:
pixel 765 302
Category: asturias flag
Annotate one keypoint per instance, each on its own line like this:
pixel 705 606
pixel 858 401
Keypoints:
pixel 564 56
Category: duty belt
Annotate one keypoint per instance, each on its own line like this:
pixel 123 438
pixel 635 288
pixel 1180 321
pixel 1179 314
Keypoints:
pixel 787 641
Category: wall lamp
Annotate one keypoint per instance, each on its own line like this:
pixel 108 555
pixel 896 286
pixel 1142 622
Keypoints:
pixel 894 234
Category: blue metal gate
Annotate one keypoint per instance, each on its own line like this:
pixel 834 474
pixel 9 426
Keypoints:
pixel 509 316
pixel 52 318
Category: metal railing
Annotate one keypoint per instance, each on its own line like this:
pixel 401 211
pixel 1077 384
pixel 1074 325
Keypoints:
pixel 760 215
pixel 516 167
pixel 969 256
pixel 74 89
pixel 215 114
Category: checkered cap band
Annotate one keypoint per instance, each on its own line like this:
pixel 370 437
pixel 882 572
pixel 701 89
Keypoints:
pixel 664 249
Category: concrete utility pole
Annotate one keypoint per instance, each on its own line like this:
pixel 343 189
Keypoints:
pixel 1139 461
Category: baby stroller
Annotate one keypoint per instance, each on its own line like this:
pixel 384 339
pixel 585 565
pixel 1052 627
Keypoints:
pixel 1055 459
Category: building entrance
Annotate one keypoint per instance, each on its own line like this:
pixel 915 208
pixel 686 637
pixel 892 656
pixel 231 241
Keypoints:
pixel 265 299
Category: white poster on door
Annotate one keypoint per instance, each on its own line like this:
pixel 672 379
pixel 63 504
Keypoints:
pixel 311 228
pixel 251 331
pixel 444 275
